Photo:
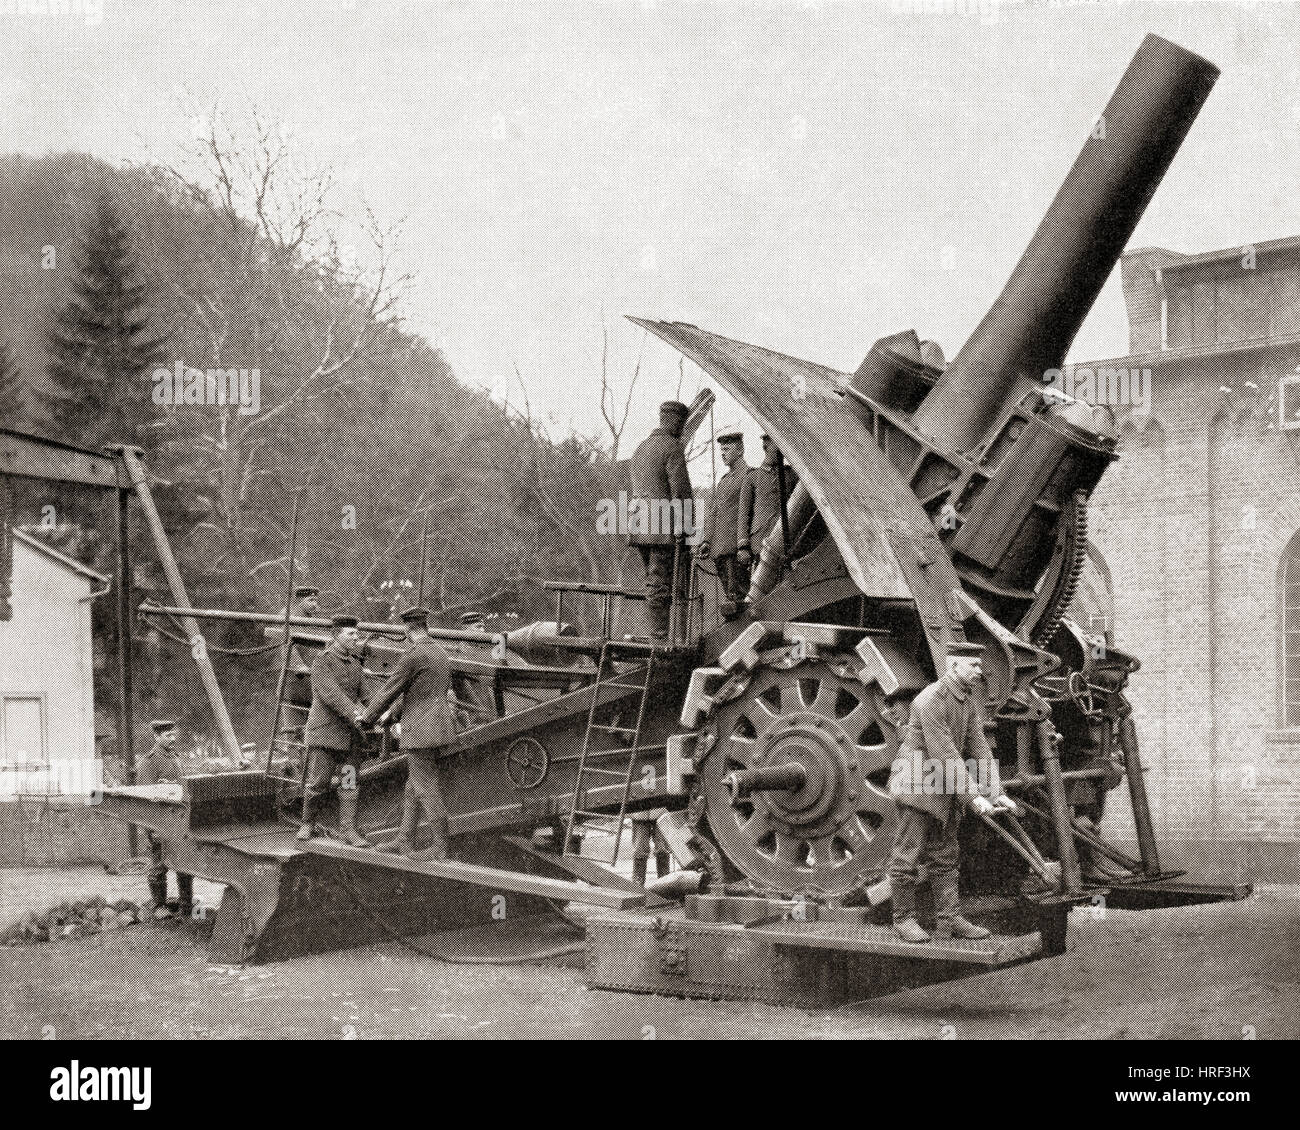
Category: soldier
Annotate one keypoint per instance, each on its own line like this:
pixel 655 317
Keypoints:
pixel 726 534
pixel 945 725
pixel 334 730
pixel 659 478
pixel 306 602
pixel 645 831
pixel 162 768
pixel 763 493
pixel 422 678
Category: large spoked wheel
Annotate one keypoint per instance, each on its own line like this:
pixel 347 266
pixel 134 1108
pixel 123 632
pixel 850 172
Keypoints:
pixel 832 832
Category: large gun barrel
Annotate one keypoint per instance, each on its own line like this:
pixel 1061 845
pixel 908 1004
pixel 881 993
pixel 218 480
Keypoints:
pixel 1033 322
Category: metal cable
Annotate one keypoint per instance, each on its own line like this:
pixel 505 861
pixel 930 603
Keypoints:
pixel 521 959
pixel 211 647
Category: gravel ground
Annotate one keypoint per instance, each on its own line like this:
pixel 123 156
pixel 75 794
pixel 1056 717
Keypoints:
pixel 1216 971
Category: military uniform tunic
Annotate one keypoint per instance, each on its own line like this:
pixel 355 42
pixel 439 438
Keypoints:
pixel 421 677
pixel 331 735
pixel 161 767
pixel 931 784
pixel 659 478
pixel 727 530
pixel 764 499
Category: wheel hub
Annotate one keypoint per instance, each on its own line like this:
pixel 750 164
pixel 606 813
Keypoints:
pixel 834 830
pixel 804 740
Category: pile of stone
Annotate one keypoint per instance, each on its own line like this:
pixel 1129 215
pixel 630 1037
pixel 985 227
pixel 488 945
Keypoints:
pixel 80 919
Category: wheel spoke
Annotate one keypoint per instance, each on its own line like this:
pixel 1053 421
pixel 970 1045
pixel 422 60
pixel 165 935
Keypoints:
pixel 857 720
pixel 828 694
pixel 742 750
pixel 760 715
pixel 873 758
pixel 757 826
pixel 789 850
pixel 824 852
pixel 791 698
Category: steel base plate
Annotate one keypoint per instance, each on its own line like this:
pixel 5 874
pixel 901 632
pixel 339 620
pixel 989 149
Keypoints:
pixel 805 964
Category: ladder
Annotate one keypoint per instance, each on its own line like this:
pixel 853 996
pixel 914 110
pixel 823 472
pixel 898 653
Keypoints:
pixel 287 741
pixel 637 678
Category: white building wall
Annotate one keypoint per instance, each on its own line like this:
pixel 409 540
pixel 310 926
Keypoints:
pixel 45 652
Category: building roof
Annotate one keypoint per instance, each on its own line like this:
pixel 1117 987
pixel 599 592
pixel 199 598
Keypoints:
pixel 1187 262
pixel 1187 352
pixel 72 565
pixel 1176 262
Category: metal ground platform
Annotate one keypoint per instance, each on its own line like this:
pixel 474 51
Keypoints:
pixel 806 964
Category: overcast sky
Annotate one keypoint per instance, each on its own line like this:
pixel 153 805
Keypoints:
pixel 807 176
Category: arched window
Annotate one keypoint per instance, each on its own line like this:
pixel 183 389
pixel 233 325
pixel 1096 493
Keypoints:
pixel 1289 602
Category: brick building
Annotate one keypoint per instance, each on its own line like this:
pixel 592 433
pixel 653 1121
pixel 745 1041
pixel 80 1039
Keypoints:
pixel 1197 537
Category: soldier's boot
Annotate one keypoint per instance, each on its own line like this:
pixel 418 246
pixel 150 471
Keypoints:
pixel 184 895
pixel 437 848
pixel 903 892
pixel 640 850
pixel 947 910
pixel 158 891
pixel 308 827
pixel 910 930
pixel 959 927
pixel 436 811
pixel 404 844
pixel 348 818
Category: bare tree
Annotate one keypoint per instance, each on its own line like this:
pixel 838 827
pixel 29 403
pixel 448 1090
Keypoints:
pixel 272 282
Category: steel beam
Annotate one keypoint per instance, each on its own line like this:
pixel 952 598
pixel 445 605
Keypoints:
pixel 32 457
pixel 481 876
pixel 125 690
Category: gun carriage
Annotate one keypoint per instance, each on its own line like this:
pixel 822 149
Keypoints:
pixel 936 503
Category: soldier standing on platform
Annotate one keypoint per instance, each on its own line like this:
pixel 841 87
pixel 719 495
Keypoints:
pixel 421 678
pixel 660 479
pixel 161 767
pixel 334 730
pixel 727 532
pixel 932 782
pixel 764 491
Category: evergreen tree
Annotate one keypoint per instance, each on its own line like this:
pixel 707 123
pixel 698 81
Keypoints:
pixel 102 350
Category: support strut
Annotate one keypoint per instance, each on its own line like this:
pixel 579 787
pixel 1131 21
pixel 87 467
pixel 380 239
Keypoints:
pixel 1137 791
pixel 1064 827
pixel 140 482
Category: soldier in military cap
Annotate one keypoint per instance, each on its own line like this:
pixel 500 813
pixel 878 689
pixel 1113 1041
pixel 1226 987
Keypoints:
pixel 422 677
pixel 161 767
pixel 334 730
pixel 306 602
pixel 762 493
pixel 660 479
pixel 944 766
pixel 726 533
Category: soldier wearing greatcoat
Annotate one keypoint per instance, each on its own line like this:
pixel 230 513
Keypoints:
pixel 333 734
pixel 661 497
pixel 944 768
pixel 727 531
